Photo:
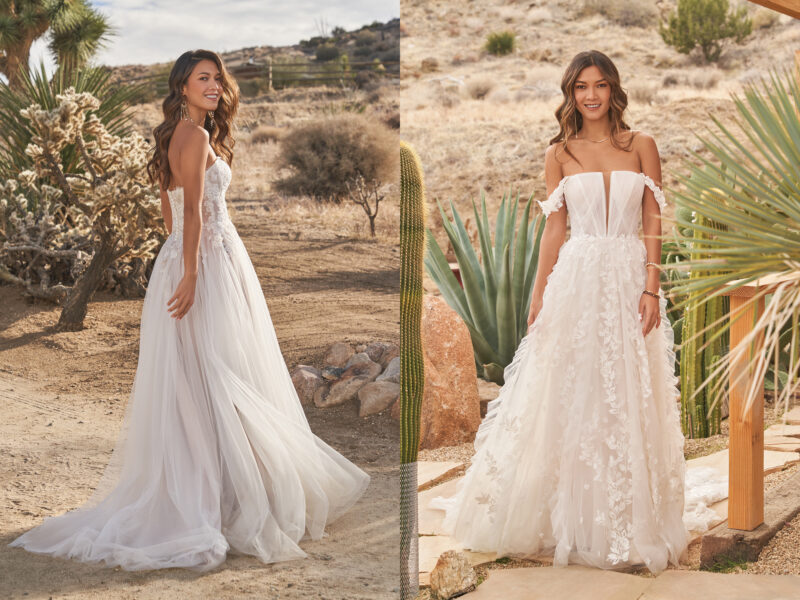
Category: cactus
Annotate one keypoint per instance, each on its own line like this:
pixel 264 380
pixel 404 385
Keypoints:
pixel 700 354
pixel 412 368
pixel 497 288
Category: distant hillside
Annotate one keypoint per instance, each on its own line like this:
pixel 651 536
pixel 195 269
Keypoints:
pixel 375 41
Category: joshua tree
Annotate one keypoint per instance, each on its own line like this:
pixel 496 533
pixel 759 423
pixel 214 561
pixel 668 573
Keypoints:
pixel 76 32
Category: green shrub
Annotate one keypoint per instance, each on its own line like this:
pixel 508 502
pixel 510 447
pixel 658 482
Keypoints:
pixel 500 42
pixel 705 23
pixel 327 52
pixel 327 155
pixel 366 38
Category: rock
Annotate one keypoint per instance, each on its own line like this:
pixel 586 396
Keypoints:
pixel 382 352
pixel 392 372
pixel 361 348
pixel 338 355
pixel 452 576
pixel 377 396
pixel 487 391
pixel 353 379
pixel 451 409
pixel 357 359
pixel 306 380
pixel 429 65
pixel 332 373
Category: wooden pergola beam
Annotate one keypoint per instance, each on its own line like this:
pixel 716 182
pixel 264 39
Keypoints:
pixel 787 7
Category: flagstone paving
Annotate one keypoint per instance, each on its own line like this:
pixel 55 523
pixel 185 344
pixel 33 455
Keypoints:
pixel 576 581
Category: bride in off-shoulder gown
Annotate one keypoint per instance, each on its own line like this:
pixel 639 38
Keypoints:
pixel 216 452
pixel 581 454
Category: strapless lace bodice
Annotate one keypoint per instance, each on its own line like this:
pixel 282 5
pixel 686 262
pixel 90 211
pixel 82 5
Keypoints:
pixel 217 225
pixel 585 195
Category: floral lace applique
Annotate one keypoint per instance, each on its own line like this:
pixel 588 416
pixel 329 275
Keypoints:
pixel 554 200
pixel 657 192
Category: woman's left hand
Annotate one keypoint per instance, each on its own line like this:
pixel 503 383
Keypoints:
pixel 649 313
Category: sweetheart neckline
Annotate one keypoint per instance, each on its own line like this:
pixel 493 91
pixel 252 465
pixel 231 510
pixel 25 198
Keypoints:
pixel 180 187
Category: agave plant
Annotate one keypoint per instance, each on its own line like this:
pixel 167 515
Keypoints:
pixel 751 185
pixel 36 88
pixel 496 289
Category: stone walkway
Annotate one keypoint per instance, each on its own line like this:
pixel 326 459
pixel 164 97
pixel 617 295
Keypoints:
pixel 782 447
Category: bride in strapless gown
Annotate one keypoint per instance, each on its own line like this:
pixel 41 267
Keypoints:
pixel 216 452
pixel 581 454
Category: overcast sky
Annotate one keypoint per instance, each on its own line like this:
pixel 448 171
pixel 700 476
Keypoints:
pixel 160 30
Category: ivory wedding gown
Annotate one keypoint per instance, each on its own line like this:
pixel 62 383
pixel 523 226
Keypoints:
pixel 581 454
pixel 216 452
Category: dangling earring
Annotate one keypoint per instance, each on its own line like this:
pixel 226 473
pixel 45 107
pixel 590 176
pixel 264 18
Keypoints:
pixel 211 118
pixel 184 110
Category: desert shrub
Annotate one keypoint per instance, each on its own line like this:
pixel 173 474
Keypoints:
pixel 266 133
pixel 366 38
pixel 327 155
pixel 764 18
pixel 478 89
pixel 500 43
pixel 705 24
pixel 642 92
pixel 641 13
pixel 65 233
pixel 704 79
pixel 327 52
pixel 362 51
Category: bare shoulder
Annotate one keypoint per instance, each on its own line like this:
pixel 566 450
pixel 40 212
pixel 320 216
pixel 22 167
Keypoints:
pixel 190 135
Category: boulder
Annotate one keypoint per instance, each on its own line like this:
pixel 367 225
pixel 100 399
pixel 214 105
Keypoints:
pixel 382 352
pixel 376 396
pixel 392 372
pixel 338 354
pixel 487 391
pixel 452 576
pixel 359 358
pixel 450 405
pixel 306 380
pixel 354 377
pixel 331 373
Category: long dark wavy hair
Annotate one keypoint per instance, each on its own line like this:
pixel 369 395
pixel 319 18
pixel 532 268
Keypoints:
pixel 220 136
pixel 569 117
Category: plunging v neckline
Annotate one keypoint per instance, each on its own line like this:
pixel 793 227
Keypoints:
pixel 606 193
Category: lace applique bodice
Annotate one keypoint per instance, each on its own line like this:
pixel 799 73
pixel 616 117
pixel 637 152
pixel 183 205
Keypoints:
pixel 585 194
pixel 217 224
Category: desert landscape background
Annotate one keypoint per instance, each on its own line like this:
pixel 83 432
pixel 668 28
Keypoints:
pixel 325 280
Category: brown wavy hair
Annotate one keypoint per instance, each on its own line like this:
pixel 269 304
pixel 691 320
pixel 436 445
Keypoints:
pixel 569 117
pixel 220 136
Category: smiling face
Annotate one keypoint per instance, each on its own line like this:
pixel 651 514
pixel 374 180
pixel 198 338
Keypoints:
pixel 203 88
pixel 592 93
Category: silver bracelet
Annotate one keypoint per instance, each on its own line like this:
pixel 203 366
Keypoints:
pixel 656 265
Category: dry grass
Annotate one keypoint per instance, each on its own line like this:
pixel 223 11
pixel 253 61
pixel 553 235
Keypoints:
pixel 498 141
pixel 255 164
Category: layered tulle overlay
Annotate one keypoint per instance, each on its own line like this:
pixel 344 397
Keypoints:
pixel 216 452
pixel 581 454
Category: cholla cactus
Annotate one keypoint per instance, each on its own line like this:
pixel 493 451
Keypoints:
pixel 108 211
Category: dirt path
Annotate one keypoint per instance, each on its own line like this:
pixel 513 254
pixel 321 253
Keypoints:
pixel 63 397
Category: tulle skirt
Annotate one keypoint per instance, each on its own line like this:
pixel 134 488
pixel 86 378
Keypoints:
pixel 581 454
pixel 215 451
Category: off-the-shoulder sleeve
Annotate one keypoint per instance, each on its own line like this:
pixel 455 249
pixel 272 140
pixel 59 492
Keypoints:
pixel 554 200
pixel 662 202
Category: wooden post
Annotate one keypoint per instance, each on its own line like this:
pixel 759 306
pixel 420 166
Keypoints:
pixel 269 76
pixel 746 448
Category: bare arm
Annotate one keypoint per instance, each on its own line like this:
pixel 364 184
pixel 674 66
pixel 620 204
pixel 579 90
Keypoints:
pixel 651 227
pixel 192 165
pixel 555 231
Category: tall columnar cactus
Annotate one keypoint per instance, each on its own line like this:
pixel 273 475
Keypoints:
pixel 495 292
pixel 702 350
pixel 412 372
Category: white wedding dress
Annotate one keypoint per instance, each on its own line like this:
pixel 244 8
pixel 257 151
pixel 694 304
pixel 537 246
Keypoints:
pixel 581 454
pixel 215 452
